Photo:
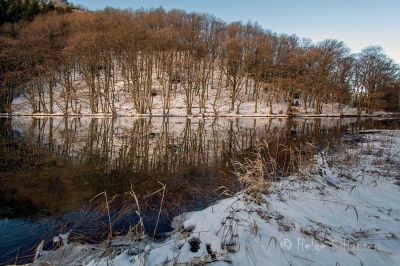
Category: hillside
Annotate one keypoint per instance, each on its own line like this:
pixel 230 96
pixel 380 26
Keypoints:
pixel 122 62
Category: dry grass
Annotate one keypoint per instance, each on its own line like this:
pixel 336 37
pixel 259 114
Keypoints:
pixel 127 205
pixel 271 162
pixel 251 174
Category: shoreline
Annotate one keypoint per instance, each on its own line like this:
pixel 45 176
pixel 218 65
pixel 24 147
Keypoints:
pixel 343 209
pixel 388 115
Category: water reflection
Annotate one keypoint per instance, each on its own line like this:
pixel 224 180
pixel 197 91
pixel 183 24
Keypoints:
pixel 50 168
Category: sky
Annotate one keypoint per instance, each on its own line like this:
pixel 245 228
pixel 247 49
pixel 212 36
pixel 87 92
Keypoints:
pixel 359 23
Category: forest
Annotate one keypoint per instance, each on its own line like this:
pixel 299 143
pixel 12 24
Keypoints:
pixel 65 60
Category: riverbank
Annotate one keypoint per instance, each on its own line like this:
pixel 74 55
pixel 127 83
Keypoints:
pixel 216 103
pixel 342 209
pixel 295 115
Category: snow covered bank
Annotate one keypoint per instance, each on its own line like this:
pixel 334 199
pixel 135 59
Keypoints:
pixel 124 108
pixel 344 210
pixel 217 104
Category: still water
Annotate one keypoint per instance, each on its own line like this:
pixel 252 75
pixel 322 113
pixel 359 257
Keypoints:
pixel 51 169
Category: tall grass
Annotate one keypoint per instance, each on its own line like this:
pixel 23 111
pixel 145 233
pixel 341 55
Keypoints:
pixel 272 160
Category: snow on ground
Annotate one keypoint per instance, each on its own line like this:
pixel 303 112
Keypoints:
pixel 124 103
pixel 124 107
pixel 344 210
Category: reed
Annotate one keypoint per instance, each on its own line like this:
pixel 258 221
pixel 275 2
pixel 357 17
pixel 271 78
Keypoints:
pixel 270 162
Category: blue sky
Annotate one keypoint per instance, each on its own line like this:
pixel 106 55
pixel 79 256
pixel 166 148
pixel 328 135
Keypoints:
pixel 358 23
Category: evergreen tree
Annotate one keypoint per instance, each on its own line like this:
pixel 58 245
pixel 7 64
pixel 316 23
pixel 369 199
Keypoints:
pixel 16 10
